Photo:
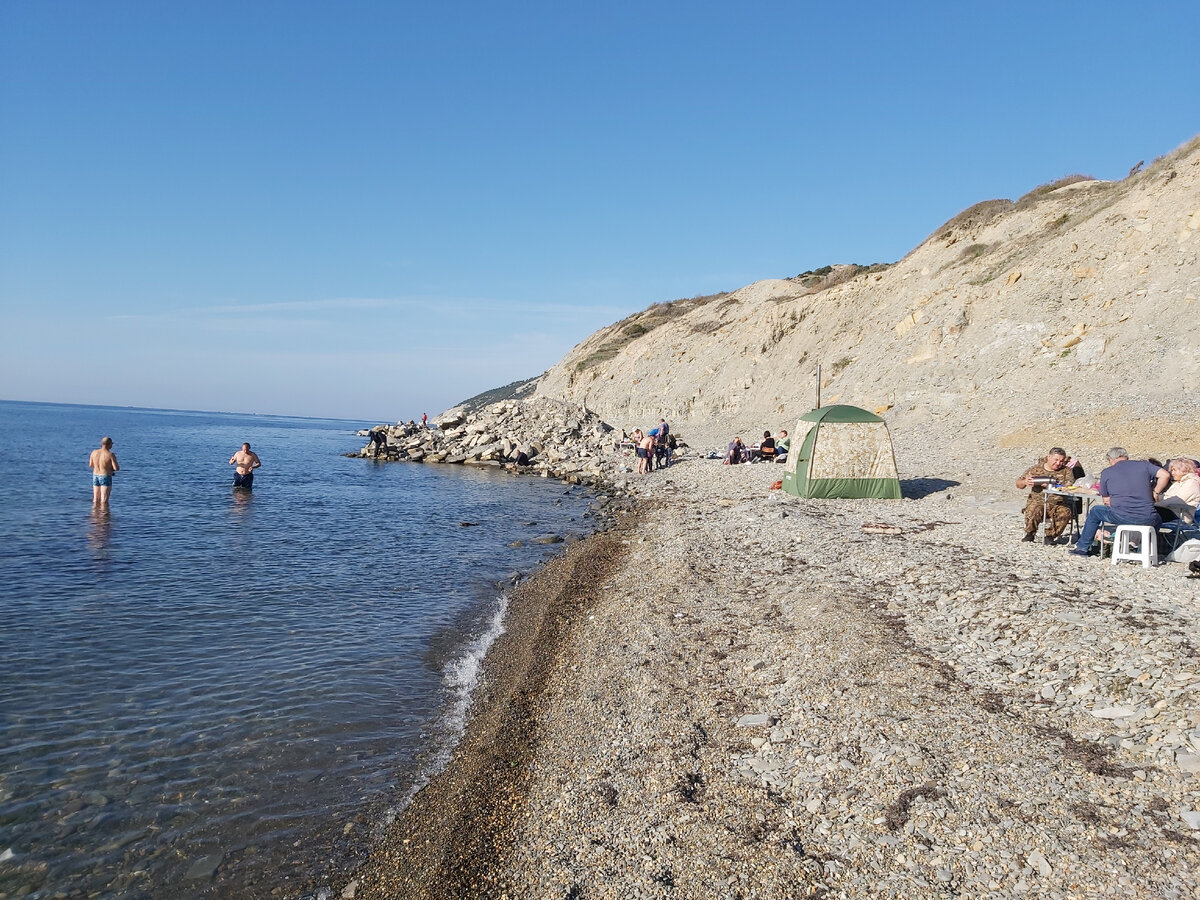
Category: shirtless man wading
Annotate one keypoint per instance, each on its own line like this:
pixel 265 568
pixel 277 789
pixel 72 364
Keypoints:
pixel 246 461
pixel 103 463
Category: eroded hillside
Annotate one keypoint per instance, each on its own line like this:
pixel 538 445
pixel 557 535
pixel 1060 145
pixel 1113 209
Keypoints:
pixel 1076 304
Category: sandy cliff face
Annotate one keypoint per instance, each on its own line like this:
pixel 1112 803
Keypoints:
pixel 1069 315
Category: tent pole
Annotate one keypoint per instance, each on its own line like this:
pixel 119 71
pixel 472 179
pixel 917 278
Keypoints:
pixel 818 406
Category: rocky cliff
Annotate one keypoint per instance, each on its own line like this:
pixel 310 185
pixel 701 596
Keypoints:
pixel 1066 313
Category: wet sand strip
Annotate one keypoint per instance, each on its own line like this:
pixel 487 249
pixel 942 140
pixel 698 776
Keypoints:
pixel 448 842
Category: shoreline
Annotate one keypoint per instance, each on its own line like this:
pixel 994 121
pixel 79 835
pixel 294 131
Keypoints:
pixel 756 697
pixel 447 841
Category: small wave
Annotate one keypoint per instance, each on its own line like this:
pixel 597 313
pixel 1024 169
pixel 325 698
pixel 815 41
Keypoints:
pixel 460 676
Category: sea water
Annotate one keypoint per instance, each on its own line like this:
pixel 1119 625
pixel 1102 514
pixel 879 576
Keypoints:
pixel 209 692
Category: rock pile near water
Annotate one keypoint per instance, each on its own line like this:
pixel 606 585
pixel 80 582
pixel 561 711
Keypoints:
pixel 560 440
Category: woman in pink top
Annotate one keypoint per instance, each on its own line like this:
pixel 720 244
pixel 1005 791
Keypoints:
pixel 1179 501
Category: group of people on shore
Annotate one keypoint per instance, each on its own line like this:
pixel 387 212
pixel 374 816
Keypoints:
pixel 378 436
pixel 653 448
pixel 1130 492
pixel 104 465
pixel 769 450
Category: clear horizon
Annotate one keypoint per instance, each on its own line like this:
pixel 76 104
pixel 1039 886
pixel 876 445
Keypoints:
pixel 377 211
pixel 205 412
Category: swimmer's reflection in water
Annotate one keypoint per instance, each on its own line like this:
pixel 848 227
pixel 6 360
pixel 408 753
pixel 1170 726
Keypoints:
pixel 241 502
pixel 99 529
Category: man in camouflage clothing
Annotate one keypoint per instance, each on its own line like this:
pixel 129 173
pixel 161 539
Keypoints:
pixel 1057 511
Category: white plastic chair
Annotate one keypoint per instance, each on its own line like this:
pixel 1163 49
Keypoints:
pixel 1135 543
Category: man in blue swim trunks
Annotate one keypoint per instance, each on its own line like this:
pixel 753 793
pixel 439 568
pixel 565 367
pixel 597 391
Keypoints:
pixel 103 463
pixel 246 461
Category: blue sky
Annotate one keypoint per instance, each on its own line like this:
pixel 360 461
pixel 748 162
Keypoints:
pixel 374 210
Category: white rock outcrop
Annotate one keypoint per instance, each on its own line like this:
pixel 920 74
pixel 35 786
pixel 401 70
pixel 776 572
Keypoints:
pixel 557 438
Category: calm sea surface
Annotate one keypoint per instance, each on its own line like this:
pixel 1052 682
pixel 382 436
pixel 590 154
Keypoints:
pixel 206 692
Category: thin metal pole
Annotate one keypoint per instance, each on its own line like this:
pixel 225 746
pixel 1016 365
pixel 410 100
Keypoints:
pixel 818 406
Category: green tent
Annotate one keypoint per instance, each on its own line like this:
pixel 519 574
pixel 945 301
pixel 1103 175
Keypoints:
pixel 844 452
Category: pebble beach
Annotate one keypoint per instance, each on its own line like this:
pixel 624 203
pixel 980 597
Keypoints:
pixel 736 693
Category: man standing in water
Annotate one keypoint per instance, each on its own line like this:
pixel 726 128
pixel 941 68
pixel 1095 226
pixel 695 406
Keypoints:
pixel 103 463
pixel 246 461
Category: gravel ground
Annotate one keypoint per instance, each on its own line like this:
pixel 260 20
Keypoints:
pixel 744 694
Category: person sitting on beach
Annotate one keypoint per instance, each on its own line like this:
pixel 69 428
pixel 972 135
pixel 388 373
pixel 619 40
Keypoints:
pixel 735 452
pixel 1180 500
pixel 1129 489
pixel 1056 511
pixel 782 445
pixel 765 452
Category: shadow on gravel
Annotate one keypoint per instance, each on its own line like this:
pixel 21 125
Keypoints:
pixel 916 488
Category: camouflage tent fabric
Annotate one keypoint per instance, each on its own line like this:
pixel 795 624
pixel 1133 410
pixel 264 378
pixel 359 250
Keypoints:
pixel 845 452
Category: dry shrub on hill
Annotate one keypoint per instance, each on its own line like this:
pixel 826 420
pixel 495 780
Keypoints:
pixel 815 280
pixel 982 214
pixel 976 216
pixel 673 309
pixel 632 327
pixel 516 390
pixel 972 252
pixel 1044 190
pixel 1093 196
